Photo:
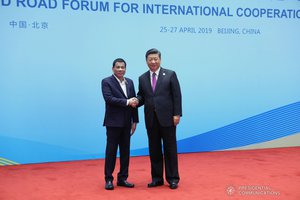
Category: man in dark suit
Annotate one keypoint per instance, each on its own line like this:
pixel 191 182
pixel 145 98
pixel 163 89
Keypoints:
pixel 120 119
pixel 159 92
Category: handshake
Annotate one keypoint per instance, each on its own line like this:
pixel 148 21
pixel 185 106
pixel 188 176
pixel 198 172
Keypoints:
pixel 133 102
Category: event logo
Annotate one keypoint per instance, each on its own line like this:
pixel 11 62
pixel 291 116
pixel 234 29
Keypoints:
pixel 251 190
pixel 230 190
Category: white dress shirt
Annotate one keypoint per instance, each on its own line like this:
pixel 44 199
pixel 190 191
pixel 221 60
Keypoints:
pixel 156 74
pixel 123 86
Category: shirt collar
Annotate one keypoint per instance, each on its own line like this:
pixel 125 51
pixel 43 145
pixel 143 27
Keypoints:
pixel 156 72
pixel 121 82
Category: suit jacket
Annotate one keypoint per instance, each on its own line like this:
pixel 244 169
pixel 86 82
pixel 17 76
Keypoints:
pixel 165 101
pixel 117 113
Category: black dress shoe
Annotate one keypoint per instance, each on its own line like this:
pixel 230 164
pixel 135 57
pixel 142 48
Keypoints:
pixel 173 185
pixel 155 184
pixel 125 184
pixel 109 185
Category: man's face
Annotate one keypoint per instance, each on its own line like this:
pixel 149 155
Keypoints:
pixel 119 70
pixel 153 62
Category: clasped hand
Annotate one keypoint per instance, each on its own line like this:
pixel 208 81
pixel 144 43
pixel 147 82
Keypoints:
pixel 133 102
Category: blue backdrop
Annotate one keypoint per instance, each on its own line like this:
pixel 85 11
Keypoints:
pixel 237 62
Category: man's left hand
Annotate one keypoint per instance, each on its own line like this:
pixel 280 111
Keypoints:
pixel 133 127
pixel 176 120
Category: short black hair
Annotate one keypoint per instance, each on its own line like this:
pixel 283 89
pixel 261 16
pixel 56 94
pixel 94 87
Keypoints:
pixel 153 51
pixel 119 60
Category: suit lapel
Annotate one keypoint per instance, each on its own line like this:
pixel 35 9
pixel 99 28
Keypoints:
pixel 148 82
pixel 161 76
pixel 127 89
pixel 118 86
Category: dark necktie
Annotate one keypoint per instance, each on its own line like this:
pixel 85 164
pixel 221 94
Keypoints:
pixel 153 81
